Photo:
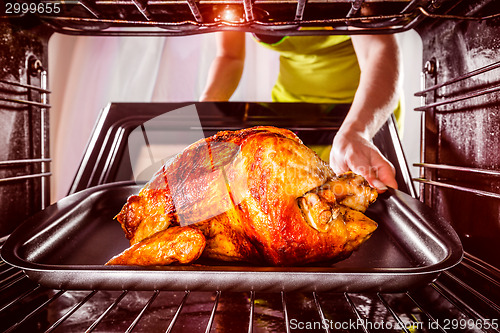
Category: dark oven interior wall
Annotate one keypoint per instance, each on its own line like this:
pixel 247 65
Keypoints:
pixel 465 133
pixel 21 125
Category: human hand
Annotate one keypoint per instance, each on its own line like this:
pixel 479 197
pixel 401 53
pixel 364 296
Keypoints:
pixel 351 151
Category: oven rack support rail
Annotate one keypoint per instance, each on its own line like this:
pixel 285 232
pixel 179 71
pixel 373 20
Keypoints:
pixel 272 17
pixel 24 99
pixel 446 101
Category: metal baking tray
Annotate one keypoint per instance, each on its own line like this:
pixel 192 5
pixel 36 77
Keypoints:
pixel 66 245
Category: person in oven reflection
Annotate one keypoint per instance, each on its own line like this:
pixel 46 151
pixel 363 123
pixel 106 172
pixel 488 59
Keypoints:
pixel 361 70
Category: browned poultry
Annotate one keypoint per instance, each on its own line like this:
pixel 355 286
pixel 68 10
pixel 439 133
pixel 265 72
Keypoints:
pixel 176 244
pixel 257 195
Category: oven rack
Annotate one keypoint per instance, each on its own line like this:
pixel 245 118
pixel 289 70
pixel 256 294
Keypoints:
pixel 272 17
pixel 451 300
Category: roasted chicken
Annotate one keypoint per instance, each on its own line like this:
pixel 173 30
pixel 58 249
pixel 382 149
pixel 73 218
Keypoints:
pixel 256 195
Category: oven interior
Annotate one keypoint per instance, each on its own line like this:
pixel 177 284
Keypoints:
pixel 460 165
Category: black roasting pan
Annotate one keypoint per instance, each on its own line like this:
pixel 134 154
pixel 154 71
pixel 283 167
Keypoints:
pixel 66 245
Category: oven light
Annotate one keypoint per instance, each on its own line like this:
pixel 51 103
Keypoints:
pixel 230 15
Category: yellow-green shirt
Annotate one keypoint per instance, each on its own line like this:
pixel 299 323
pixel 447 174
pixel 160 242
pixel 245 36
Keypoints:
pixel 316 69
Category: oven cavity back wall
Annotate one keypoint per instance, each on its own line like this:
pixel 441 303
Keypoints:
pixel 462 125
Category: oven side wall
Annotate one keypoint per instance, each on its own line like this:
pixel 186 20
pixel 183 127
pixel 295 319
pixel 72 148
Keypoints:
pixel 24 152
pixel 465 130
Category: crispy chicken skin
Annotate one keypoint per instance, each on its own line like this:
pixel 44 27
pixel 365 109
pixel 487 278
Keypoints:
pixel 257 195
pixel 350 190
pixel 176 244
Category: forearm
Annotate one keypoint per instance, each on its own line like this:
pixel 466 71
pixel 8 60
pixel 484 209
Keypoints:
pixel 223 78
pixel 378 91
pixel 375 99
pixel 226 69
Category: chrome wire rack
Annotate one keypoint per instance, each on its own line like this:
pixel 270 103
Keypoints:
pixel 185 17
pixel 449 304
